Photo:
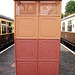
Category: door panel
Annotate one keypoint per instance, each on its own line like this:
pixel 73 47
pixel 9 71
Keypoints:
pixel 49 16
pixel 48 68
pixel 26 68
pixel 26 20
pixel 49 28
pixel 49 8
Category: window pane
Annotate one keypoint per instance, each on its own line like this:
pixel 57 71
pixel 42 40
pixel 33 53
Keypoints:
pixel 3 23
pixel 69 27
pixel 63 26
pixel 9 27
pixel 70 21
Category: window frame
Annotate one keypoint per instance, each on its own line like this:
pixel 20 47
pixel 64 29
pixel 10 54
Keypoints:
pixel 8 26
pixel 63 25
pixel 69 24
pixel 3 26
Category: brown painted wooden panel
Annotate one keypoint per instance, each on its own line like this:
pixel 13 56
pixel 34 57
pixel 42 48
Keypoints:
pixel 69 36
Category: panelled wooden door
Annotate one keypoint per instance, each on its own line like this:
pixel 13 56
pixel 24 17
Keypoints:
pixel 37 37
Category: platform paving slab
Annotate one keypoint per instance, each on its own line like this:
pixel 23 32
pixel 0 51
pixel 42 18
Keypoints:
pixel 6 60
pixel 67 62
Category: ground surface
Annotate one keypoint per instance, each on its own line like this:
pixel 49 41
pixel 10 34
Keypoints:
pixel 67 62
pixel 6 61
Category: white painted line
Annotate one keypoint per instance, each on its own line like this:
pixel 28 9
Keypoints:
pixel 13 65
pixel 68 49
pixel 6 49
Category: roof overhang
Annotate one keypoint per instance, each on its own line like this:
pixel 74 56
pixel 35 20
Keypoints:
pixel 6 18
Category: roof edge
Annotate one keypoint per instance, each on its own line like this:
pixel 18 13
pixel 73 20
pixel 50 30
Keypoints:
pixel 72 15
pixel 5 17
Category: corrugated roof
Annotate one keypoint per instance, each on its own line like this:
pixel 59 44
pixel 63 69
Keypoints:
pixel 7 18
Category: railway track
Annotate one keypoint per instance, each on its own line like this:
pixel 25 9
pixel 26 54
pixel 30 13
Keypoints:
pixel 73 52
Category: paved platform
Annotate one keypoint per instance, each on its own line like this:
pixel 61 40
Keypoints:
pixel 6 61
pixel 67 62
